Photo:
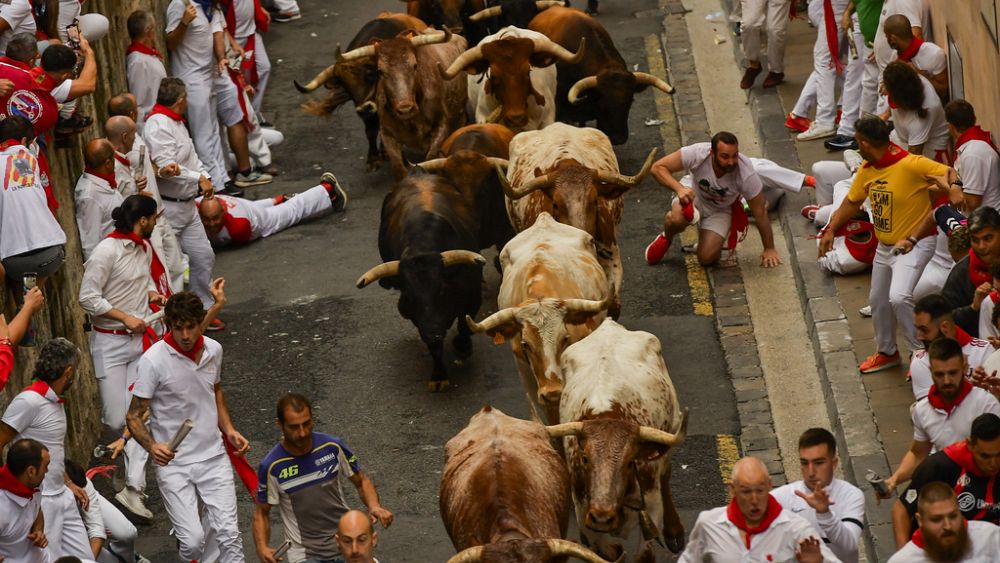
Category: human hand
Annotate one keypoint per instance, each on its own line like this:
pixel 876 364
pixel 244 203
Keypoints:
pixel 38 539
pixel 218 291
pixel 989 382
pixel 141 183
pixel 162 454
pixel 34 300
pixel 85 46
pixel 81 496
pixel 190 13
pixel 156 298
pixel 825 242
pixel 940 181
pixel 769 258
pixel 239 443
pixel 846 23
pixel 222 67
pixel 207 191
pixel 250 90
pixel 382 515
pixel 982 292
pixel 685 196
pixel 170 170
pixel 819 499
pixel 6 87
pixel 116 447
pixel 901 247
pixel 135 325
pixel 809 551
pixel 266 555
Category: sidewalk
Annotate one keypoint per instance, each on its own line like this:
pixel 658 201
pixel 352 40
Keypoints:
pixel 870 415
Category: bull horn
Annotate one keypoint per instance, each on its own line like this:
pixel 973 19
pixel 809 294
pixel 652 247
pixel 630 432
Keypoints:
pixel 551 47
pixel 646 78
pixel 359 53
pixel 504 182
pixel 566 547
pixel 564 429
pixel 581 85
pixel 431 38
pixel 456 257
pixel 490 12
pixel 385 270
pixel 546 4
pixel 629 181
pixel 535 184
pixel 433 165
pixel 497 162
pixel 500 318
pixel 495 115
pixel 465 59
pixel 589 305
pixel 470 555
pixel 649 434
pixel 320 79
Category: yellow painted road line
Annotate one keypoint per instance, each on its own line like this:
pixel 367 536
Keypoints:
pixel 729 454
pixel 701 294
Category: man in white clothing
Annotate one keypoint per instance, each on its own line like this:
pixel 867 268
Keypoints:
pixel 97 194
pixel 944 534
pixel 835 508
pixel 820 87
pixel 22 530
pixel 144 63
pixel 925 56
pixel 180 377
pixel 753 527
pixel 760 17
pixel 181 179
pixel 882 52
pixel 285 11
pixel 38 413
pixel 116 291
pixel 934 320
pixel 235 220
pixel 112 536
pixel 15 17
pixel 245 33
pixel 976 159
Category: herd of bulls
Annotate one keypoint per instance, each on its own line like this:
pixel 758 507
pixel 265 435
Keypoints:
pixel 549 196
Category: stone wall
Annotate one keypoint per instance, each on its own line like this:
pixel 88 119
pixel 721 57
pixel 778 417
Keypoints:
pixel 62 315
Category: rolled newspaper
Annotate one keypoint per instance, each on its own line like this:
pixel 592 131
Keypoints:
pixel 182 433
pixel 282 549
pixel 154 317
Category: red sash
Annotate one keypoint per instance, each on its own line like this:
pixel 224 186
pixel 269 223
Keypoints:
pixel 109 178
pixel 893 154
pixel 10 484
pixel 974 133
pixel 862 248
pixel 937 401
pixel 832 36
pixel 739 226
pixel 193 353
pixel 42 388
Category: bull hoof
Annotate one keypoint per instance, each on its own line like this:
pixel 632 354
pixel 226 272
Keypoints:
pixel 463 346
pixel 438 385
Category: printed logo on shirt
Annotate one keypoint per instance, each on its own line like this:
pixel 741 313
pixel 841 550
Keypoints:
pixel 288 472
pixel 966 501
pixel 715 194
pixel 881 206
pixel 26 104
pixel 20 171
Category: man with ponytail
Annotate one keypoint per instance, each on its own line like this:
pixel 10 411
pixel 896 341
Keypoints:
pixel 122 277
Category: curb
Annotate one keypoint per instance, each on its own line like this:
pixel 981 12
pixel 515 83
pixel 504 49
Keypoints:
pixel 732 314
pixel 851 415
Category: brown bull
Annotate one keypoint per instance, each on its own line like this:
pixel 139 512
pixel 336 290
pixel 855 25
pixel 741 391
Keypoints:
pixel 451 14
pixel 416 108
pixel 513 12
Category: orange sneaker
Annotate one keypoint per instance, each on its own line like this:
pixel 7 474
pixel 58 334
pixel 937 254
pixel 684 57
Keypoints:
pixel 216 325
pixel 796 123
pixel 878 362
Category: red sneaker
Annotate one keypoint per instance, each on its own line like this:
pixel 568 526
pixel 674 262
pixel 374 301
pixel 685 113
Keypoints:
pixel 216 325
pixel 878 362
pixel 657 249
pixel 809 212
pixel 796 123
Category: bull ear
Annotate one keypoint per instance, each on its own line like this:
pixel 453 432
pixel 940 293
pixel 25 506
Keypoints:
pixel 611 191
pixel 590 323
pixel 542 60
pixel 651 451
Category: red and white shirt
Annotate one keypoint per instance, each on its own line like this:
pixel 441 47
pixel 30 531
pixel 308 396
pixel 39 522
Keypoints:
pixel 242 219
pixel 942 423
pixel 984 538
pixel 26 223
pixel 976 351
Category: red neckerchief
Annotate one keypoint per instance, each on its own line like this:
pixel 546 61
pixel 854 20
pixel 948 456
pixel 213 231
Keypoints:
pixel 938 402
pixel 893 154
pixel 994 296
pixel 9 143
pixel 15 63
pixel 739 225
pixel 109 178
pixel 960 454
pixel 169 339
pixel 974 133
pixel 124 161
pixel 735 516
pixel 918 536
pixel 164 110
pixel 137 47
pixel 128 236
pixel 832 36
pixel 10 483
pixel 979 271
pixel 42 388
pixel 911 51
pixel 41 79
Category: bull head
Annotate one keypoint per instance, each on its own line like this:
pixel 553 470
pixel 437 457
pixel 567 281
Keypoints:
pixel 496 11
pixel 416 41
pixel 539 550
pixel 391 269
pixel 611 184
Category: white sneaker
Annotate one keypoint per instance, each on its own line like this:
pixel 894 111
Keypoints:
pixel 817 131
pixel 853 160
pixel 690 248
pixel 132 500
pixel 865 311
pixel 141 559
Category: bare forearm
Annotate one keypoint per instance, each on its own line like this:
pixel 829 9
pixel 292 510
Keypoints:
pixel 134 420
pixel 175 37
pixel 225 420
pixel 261 529
pixel 96 544
pixel 900 524
pixel 39 524
pixel 219 45
pixel 368 494
pixel 666 178
pixel 909 462
pixel 843 214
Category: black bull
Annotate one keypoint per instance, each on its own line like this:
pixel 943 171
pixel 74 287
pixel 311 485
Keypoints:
pixel 428 239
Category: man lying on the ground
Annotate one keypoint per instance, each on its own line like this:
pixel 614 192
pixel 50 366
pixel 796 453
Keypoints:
pixel 234 220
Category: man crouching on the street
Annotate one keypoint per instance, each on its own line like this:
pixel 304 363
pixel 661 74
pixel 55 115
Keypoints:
pixel 720 175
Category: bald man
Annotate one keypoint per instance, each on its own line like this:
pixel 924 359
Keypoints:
pixel 356 538
pixel 926 57
pixel 97 194
pixel 754 527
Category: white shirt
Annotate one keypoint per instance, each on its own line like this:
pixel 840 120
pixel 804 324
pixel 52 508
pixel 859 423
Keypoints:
pixel 95 200
pixel 912 9
pixel 930 58
pixel 17 14
pixel 715 539
pixel 976 351
pixel 930 131
pixel 715 193
pixel 194 58
pixel 246 24
pixel 117 276
pixel 144 73
pixel 841 526
pixel 978 166
pixel 942 428
pixel 169 142
pixel 178 389
pixel 19 515
pixel 26 223
pixel 984 537
pixel 43 419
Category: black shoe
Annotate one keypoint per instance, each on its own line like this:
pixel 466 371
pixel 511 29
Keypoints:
pixel 232 190
pixel 840 143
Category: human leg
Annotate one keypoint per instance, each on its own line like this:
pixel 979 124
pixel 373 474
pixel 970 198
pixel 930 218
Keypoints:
pixel 217 492
pixel 183 217
pixel 777 32
pixel 112 354
pixel 906 271
pixel 263 73
pixel 827 174
pixel 710 245
pixel 204 127
pixel 311 203
pixel 754 16
pixel 180 499
pixel 883 318
pixel 121 532
pixel 854 75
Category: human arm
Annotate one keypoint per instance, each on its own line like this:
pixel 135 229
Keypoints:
pixel 88 223
pixel 846 21
pixel 96 275
pixel 758 207
pixel 86 83
pixel 37 533
pixel 262 532
pixel 240 444
pixel 900 524
pixel 93 520
pixel 369 496
pixel 219 47
pixel 177 33
pixel 7 433
pixel 840 217
pixel 138 411
pixel 663 171
pixel 81 495
pixel 843 526
pixel 217 290
pixel 918 452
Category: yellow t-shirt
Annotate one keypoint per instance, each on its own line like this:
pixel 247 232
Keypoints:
pixel 899 195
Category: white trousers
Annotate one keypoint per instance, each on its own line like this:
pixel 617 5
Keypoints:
pixel 770 17
pixel 854 75
pixel 209 104
pixel 821 86
pixel 190 233
pixel 827 174
pixel 840 191
pixel 263 69
pixel 937 270
pixel 64 527
pixel 209 483
pixel 309 204
pixel 121 534
pixel 891 295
